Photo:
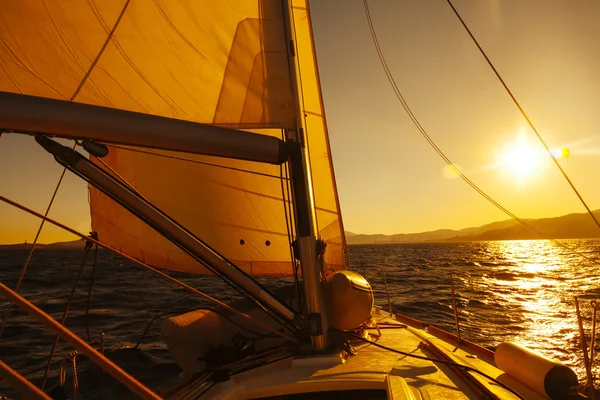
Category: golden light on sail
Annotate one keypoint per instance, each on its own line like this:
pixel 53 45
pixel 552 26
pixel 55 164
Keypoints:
pixel 214 62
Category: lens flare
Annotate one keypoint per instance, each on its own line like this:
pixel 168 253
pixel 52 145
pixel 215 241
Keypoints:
pixel 563 152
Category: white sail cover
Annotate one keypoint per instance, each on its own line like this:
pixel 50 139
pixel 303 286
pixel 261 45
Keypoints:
pixel 221 62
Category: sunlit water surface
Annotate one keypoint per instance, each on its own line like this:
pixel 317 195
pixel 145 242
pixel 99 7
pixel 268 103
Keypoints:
pixel 521 291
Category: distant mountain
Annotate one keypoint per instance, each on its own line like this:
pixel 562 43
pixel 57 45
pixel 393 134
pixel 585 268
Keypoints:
pixel 569 226
pixel 59 245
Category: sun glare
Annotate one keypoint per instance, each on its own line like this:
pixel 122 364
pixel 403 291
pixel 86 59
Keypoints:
pixel 520 158
pixel 563 152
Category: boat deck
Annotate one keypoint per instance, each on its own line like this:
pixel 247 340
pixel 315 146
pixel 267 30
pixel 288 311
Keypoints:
pixel 378 372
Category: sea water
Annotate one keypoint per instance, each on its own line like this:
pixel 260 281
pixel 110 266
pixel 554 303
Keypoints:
pixel 521 291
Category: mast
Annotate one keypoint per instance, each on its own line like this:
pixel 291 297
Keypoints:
pixel 304 204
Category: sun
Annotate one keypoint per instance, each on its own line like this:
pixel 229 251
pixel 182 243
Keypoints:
pixel 520 158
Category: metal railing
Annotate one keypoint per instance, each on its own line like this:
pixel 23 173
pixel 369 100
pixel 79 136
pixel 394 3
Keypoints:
pixel 382 269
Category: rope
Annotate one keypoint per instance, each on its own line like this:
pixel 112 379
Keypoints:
pixel 37 235
pixel 117 372
pixel 465 367
pixel 441 153
pixel 73 358
pixel 117 175
pixel 533 128
pixel 89 296
pixel 62 374
pixel 64 317
pixel 228 318
pixel 285 190
pixel 75 93
pixel 225 279
pixel 156 271
pixel 194 161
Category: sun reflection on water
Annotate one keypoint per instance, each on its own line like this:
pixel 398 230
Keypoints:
pixel 534 282
pixel 521 291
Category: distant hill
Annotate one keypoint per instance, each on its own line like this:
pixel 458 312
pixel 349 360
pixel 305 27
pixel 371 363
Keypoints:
pixel 569 226
pixel 59 245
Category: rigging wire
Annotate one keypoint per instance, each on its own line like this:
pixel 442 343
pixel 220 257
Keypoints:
pixel 529 122
pixel 125 327
pixel 33 245
pixel 89 296
pixel 116 176
pixel 195 161
pixel 227 317
pixel 289 234
pixel 148 267
pixel 454 364
pixel 440 152
pixel 64 317
pixel 287 210
pixel 125 183
pixel 246 294
pixel 80 345
pixel 72 98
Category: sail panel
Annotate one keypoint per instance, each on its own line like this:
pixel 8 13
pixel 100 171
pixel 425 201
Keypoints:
pixel 210 61
pixel 329 220
pixel 220 62
pixel 236 207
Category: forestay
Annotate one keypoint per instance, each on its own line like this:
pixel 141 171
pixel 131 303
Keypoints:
pixel 211 61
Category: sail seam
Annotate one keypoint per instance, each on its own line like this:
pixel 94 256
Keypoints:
pixel 30 70
pixel 181 35
pixel 62 37
pixel 197 162
pixel 108 39
pixel 10 77
pixel 326 210
pixel 230 225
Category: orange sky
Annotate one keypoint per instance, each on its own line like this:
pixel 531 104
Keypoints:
pixel 389 179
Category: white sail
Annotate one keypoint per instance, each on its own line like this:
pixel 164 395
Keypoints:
pixel 218 62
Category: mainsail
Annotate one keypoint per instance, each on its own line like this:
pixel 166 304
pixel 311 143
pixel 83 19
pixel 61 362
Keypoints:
pixel 212 61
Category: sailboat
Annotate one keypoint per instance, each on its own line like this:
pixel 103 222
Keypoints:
pixel 209 153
